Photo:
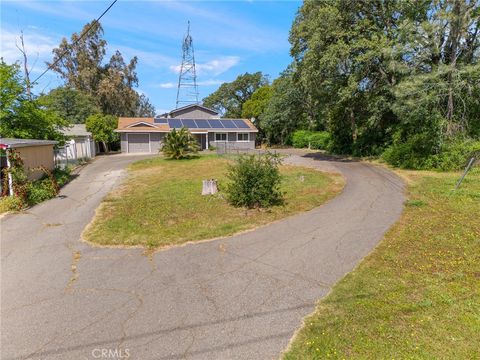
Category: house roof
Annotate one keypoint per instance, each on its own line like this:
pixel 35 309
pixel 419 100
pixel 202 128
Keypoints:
pixel 16 143
pixel 191 106
pixel 76 130
pixel 136 124
pixel 194 125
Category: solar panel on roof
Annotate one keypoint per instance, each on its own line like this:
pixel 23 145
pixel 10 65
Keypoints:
pixel 215 124
pixel 160 121
pixel 241 124
pixel 228 124
pixel 189 123
pixel 175 123
pixel 202 123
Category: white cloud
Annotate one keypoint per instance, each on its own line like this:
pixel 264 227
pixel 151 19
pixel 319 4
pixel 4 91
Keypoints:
pixel 62 9
pixel 227 28
pixel 213 67
pixel 38 47
pixel 167 85
pixel 150 58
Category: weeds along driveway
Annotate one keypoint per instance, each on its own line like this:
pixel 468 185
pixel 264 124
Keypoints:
pixel 241 297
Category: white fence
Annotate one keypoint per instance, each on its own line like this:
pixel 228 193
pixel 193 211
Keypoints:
pixel 74 152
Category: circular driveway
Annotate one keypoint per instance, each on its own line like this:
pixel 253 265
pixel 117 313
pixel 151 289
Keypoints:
pixel 241 297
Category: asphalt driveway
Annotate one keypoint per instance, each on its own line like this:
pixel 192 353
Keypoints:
pixel 241 297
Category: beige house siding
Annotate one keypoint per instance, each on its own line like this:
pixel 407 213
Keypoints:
pixel 36 156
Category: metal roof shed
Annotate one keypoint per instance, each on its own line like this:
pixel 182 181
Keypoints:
pixel 34 153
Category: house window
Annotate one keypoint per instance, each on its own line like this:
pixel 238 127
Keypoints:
pixel 220 137
pixel 243 137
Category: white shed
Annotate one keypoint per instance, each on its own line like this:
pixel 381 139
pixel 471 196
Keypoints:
pixel 81 144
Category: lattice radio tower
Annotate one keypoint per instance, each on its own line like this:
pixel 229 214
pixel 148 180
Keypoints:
pixel 187 90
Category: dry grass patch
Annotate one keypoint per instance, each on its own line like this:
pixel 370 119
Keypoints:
pixel 161 204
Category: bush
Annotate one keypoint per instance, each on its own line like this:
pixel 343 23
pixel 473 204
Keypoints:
pixel 419 153
pixel 179 144
pixel 10 203
pixel 48 186
pixel 255 181
pixel 300 138
pixel 318 140
pixel 456 155
pixel 62 176
pixel 40 190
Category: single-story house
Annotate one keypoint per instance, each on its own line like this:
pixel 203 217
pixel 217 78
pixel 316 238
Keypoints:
pixel 34 153
pixel 80 144
pixel 145 135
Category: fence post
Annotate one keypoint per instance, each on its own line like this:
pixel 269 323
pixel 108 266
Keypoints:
pixel 470 163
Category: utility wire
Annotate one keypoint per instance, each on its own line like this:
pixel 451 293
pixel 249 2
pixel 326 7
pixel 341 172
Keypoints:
pixel 80 38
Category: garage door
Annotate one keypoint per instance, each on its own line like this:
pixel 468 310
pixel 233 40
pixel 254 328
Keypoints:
pixel 138 143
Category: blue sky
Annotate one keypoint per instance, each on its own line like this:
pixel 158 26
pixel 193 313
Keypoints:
pixel 230 38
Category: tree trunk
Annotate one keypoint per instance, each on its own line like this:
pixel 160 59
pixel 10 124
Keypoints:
pixel 209 187
pixel 353 125
pixel 28 86
pixel 453 42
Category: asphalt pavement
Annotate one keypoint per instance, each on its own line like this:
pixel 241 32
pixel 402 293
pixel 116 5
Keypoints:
pixel 241 297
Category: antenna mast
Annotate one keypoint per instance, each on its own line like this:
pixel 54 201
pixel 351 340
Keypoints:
pixel 187 90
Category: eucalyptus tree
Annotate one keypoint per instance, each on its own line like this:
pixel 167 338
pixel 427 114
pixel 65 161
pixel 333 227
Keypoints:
pixel 80 61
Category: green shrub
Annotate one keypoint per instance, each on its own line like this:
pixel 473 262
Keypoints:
pixel 300 138
pixel 10 203
pixel 455 155
pixel 62 176
pixel 420 153
pixel 48 186
pixel 255 181
pixel 318 140
pixel 40 190
pixel 179 144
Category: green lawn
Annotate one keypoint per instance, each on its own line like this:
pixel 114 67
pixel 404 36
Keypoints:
pixel 417 296
pixel 161 203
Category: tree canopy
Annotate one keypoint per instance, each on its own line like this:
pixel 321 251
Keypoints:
pixel 22 116
pixel 70 104
pixel 228 100
pixel 80 62
pixel 373 68
pixel 102 128
pixel 284 112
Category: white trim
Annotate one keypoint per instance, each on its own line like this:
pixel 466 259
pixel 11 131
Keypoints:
pixel 248 134
pixel 10 181
pixel 139 123
pixel 224 133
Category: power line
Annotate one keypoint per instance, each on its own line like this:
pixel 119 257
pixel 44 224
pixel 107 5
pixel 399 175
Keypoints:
pixel 80 38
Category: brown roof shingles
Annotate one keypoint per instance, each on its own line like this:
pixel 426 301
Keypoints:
pixel 127 124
